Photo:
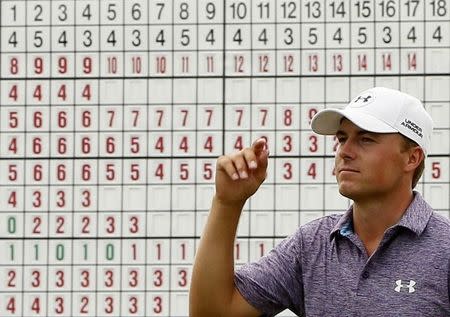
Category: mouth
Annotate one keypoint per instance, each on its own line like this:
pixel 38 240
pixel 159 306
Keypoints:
pixel 348 170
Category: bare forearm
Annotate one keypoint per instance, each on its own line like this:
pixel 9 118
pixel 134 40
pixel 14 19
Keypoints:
pixel 213 274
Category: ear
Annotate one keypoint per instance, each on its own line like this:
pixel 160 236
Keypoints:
pixel 415 157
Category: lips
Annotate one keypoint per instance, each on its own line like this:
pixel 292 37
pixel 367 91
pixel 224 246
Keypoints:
pixel 347 169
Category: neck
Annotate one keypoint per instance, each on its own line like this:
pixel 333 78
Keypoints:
pixel 371 218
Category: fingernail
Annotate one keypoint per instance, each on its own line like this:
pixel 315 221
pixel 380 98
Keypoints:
pixel 243 174
pixel 235 176
pixel 253 165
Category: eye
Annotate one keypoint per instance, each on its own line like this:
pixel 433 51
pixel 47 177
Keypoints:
pixel 366 140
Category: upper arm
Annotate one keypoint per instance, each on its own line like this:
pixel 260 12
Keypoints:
pixel 240 307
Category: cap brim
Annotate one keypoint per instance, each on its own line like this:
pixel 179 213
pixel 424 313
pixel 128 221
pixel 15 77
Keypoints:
pixel 328 121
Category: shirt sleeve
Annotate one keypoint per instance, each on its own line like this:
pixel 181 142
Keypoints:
pixel 274 283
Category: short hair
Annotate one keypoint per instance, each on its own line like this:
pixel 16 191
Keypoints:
pixel 408 144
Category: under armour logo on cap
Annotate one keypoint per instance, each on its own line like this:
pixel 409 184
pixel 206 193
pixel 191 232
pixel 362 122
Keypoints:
pixel 406 287
pixel 363 100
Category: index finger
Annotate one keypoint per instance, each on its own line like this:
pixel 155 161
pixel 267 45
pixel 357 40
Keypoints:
pixel 259 145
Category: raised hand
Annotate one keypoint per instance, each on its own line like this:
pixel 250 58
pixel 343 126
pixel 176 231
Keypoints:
pixel 239 175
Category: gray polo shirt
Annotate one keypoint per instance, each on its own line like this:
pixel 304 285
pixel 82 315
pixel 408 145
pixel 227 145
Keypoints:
pixel 323 269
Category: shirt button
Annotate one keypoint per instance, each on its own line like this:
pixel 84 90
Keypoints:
pixel 365 275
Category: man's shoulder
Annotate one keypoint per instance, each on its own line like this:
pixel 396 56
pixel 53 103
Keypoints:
pixel 320 228
pixel 439 226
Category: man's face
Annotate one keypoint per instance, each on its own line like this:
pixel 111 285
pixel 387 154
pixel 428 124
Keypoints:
pixel 368 164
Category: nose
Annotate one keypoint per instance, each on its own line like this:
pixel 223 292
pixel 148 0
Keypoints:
pixel 346 149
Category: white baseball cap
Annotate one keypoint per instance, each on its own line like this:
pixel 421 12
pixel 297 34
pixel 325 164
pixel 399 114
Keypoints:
pixel 381 110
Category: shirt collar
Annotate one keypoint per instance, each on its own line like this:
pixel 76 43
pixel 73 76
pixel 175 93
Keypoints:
pixel 415 218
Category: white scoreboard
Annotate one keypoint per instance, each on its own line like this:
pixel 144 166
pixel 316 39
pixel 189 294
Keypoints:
pixel 113 113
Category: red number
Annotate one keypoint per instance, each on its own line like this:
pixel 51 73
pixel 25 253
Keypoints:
pixel 337 63
pixel 287 118
pixel 263 63
pixel 86 93
pixel 37 199
pixel 134 148
pixel 111 224
pixel 86 119
pixel 12 277
pixel 287 147
pixel 85 278
pixel 184 171
pixel 158 278
pixel 362 62
pixel 14 66
pixel 37 172
pixel 60 278
pixel 312 171
pixel 207 171
pixel 313 63
pixel 161 64
pixel 11 306
pixel 288 170
pixel 62 65
pixel 62 93
pixel 13 94
pixel 61 172
pixel 157 309
pixel 37 94
pixel 37 225
pixel 239 64
pixel 84 305
pixel 110 172
pixel 436 167
pixel 134 224
pixel 12 199
pixel 112 64
pixel 160 171
pixel 134 175
pixel 85 145
pixel 288 63
pixel 314 146
pixel 37 146
pixel 38 65
pixel 240 112
pixel 136 116
pixel 12 176
pixel 109 278
pixel 160 112
pixel 62 145
pixel 59 305
pixel 110 145
pixel 87 65
pixel 87 198
pixel 109 305
pixel 183 278
pixel 36 305
pixel 86 172
pixel 85 221
pixel 133 281
pixel 136 64
pixel 62 119
pixel 13 119
pixel 37 278
pixel 61 200
pixel 134 306
pixel 264 116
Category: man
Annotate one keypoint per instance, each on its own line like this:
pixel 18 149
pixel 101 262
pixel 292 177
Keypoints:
pixel 388 255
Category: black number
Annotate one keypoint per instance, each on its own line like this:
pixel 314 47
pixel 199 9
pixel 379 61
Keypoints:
pixel 412 34
pixel 411 7
pixel 87 42
pixel 313 9
pixel 289 9
pixel 362 35
pixel 210 10
pixel 62 39
pixel 437 34
pixel 337 9
pixel 338 35
pixel 185 39
pixel 312 36
pixel 288 40
pixel 63 9
pixel 38 9
pixel 160 38
pixel 137 38
pixel 112 38
pixel 238 36
pixel 387 38
pixel 87 12
pixel 210 37
pixel 363 8
pixel 13 39
pixel 263 36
